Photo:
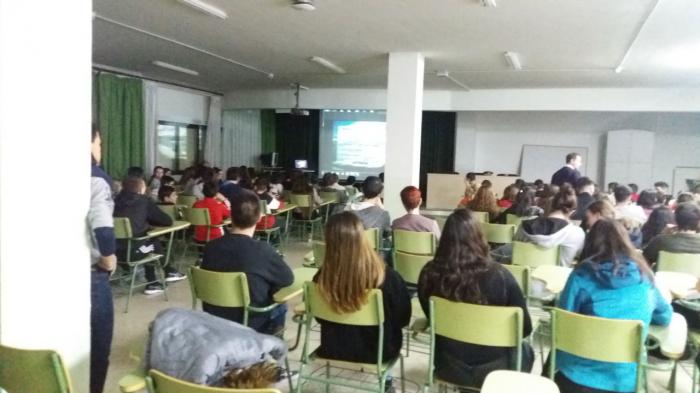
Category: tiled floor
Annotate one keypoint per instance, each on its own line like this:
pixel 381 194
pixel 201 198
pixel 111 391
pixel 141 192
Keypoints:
pixel 130 330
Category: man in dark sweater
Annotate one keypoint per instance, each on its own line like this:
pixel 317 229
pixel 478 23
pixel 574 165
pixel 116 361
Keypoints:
pixel 265 269
pixel 143 213
pixel 568 173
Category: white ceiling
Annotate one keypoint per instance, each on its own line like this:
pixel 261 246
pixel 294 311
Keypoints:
pixel 562 43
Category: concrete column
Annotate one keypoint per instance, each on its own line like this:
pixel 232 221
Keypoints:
pixel 403 126
pixel 45 116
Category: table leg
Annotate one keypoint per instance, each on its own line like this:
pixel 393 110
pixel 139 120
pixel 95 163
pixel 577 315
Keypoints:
pixel 286 227
pixel 169 249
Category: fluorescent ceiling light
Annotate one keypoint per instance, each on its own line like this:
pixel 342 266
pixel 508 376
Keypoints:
pixel 303 5
pixel 446 75
pixel 327 64
pixel 175 68
pixel 683 57
pixel 488 3
pixel 513 60
pixel 206 8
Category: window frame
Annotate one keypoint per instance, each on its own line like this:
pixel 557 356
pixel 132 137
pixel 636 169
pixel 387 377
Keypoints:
pixel 200 142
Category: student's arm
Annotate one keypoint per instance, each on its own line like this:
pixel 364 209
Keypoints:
pixel 662 309
pixel 517 299
pixel 279 275
pixel 397 302
pixel 225 211
pixel 423 296
pixel 573 295
pixel 157 217
pixel 101 222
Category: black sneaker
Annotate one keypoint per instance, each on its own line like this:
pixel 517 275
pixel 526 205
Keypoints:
pixel 153 288
pixel 174 276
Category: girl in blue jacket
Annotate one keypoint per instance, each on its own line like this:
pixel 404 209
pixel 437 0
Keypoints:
pixel 612 281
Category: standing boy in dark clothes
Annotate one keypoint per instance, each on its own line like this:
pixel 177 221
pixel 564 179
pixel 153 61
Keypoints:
pixel 265 270
pixel 143 213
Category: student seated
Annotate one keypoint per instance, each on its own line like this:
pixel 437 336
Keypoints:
pixel 276 187
pixel 262 190
pixel 167 181
pixel 330 183
pixel 597 210
pixel 524 206
pixel 685 240
pixel 412 220
pixel 265 269
pixel 485 201
pixel 661 220
pixel 647 201
pixel 155 182
pixel 231 187
pixel 634 188
pixel 218 212
pixel 370 209
pixel 167 195
pixel 663 195
pixel 470 189
pixel 463 272
pixel 624 207
pixel 612 281
pixel 143 213
pixel 509 195
pixel 302 186
pixel 350 269
pixel 585 188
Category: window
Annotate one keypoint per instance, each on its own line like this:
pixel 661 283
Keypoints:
pixel 179 145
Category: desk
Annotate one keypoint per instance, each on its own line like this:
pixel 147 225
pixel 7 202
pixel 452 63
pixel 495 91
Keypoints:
pixel 672 340
pixel 160 231
pixel 301 275
pixel 287 211
pixel 675 285
pixel 555 277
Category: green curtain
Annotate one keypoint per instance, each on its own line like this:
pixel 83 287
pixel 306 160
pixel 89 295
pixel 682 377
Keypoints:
pixel 121 122
pixel 297 138
pixel 437 152
pixel 268 131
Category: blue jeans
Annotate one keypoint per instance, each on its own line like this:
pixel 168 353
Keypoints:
pixel 101 328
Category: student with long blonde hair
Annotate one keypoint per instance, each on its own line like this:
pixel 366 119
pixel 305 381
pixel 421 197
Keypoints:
pixel 485 201
pixel 350 269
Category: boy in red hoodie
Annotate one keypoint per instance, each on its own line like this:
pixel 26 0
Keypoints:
pixel 218 212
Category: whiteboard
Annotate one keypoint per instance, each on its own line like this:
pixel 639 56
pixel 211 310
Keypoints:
pixel 540 162
pixel 681 176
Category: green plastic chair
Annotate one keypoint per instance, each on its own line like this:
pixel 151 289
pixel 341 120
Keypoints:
pixel 199 217
pixel 171 210
pixel 305 204
pixel 374 238
pixel 422 243
pixel 329 196
pixel 223 289
pixel 370 315
pixel 409 266
pixel 522 277
pixel 186 200
pixel 33 370
pixel 158 382
pixel 532 255
pixel 601 339
pixel 266 232
pixel 512 219
pixel 481 216
pixel 498 233
pixel 122 231
pixel 495 326
pixel 678 262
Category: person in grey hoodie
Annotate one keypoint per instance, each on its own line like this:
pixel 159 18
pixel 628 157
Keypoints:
pixel 370 209
pixel 555 230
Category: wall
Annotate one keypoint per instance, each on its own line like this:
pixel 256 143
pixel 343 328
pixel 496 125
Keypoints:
pixel 493 140
pixel 182 105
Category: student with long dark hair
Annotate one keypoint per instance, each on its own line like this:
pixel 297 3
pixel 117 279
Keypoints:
pixel 463 272
pixel 612 281
pixel 350 269
pixel 524 206
pixel 659 221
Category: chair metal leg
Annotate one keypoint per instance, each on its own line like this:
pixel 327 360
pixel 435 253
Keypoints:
pixel 131 288
pixel 328 377
pixel 163 282
pixel 672 380
pixel 298 339
pixel 694 378
pixel 403 377
pixel 289 373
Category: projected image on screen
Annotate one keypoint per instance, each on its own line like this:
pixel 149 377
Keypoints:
pixel 353 144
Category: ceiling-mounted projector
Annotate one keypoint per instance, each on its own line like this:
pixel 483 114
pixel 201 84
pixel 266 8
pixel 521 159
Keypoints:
pixel 299 112
pixel 296 111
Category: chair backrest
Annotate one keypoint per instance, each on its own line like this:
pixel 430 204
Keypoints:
pixel 329 196
pixel 414 242
pixel 122 228
pixel 498 233
pixel 481 216
pixel 441 221
pixel 186 200
pixel 319 251
pixel 351 190
pixel 530 254
pixel 680 263
pixel 507 381
pixel 301 200
pixel 522 276
pixel 170 210
pixel 198 216
pixel 512 219
pixel 601 339
pixel 158 382
pixel 219 288
pixel 370 314
pixel 374 237
pixel 409 266
pixel 25 370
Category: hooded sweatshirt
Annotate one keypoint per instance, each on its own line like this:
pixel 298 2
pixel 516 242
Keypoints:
pixel 371 215
pixel 600 290
pixel 552 232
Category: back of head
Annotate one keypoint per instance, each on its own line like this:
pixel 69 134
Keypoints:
pixel 484 199
pixel 245 210
pixel 326 179
pixel 167 180
pixel 210 189
pixel 609 241
pixel 571 157
pixel 661 185
pixel 261 184
pixel 564 200
pixel 685 197
pixel 688 216
pixel 410 197
pixel 461 256
pixel 300 185
pixel 135 171
pixel 583 183
pixel 622 194
pixel 471 176
pixel 351 180
pixel 372 187
pixel 232 174
pixel 659 219
pixel 133 184
pixel 350 267
pixel 647 199
pixel 633 187
pixel 603 208
pixel 612 185
pixel 164 192
pixel 511 192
